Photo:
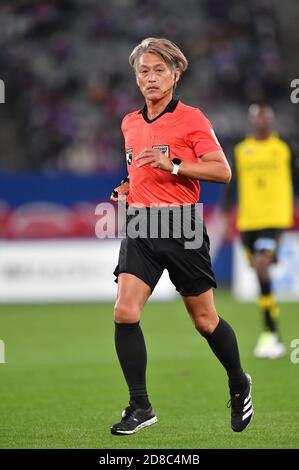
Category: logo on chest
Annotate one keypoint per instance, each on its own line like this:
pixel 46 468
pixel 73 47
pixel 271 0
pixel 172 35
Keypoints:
pixel 129 156
pixel 163 148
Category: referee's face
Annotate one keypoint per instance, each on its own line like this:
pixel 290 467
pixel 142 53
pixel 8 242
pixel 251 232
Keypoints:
pixel 155 77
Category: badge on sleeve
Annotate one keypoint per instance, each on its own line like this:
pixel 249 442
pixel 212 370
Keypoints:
pixel 129 156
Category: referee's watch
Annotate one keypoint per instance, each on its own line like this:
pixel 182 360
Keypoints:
pixel 176 165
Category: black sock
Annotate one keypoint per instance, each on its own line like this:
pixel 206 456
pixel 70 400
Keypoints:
pixel 269 320
pixel 223 343
pixel 131 351
pixel 265 287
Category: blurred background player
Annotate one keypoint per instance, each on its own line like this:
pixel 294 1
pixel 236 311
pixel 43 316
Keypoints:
pixel 263 166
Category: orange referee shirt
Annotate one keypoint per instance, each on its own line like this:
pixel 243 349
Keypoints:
pixel 180 131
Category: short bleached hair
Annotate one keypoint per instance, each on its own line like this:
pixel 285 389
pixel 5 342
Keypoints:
pixel 166 49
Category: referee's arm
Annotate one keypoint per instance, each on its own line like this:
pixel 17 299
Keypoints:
pixel 212 166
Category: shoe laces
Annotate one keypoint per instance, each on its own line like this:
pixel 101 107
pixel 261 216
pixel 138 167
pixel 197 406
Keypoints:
pixel 236 403
pixel 128 413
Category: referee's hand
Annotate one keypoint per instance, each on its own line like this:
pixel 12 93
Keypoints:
pixel 155 158
pixel 122 190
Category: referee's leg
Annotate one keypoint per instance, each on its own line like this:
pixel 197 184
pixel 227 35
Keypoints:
pixel 222 340
pixel 129 341
pixel 219 334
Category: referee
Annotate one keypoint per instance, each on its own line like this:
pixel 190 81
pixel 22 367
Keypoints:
pixel 169 147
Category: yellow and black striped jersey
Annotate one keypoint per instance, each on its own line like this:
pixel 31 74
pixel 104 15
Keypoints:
pixel 264 183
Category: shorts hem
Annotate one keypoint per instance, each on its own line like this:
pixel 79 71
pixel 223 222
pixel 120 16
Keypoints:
pixel 136 275
pixel 198 291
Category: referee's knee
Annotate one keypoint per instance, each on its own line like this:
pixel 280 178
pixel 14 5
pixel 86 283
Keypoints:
pixel 206 324
pixel 124 312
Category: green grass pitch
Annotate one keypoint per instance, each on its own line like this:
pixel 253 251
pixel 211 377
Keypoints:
pixel 61 385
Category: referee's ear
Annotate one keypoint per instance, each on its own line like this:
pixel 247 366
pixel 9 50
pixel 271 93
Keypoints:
pixel 176 77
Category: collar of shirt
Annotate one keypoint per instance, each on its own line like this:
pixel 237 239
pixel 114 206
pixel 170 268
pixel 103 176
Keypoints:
pixel 168 109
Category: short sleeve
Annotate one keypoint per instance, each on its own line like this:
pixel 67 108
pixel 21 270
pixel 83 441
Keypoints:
pixel 201 136
pixel 123 125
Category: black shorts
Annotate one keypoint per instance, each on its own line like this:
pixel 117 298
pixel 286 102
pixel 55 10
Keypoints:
pixel 189 270
pixel 261 241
